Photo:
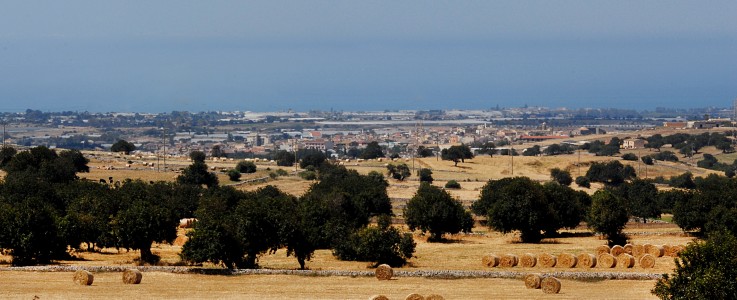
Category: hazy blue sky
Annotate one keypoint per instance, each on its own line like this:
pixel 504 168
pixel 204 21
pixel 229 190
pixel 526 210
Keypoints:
pixel 359 55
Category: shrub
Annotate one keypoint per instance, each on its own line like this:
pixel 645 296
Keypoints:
pixel 583 181
pixel 308 175
pixel 705 270
pixel 648 160
pixel 246 167
pixel 629 156
pixel 561 176
pixel 234 175
pixel 382 244
pixel 452 184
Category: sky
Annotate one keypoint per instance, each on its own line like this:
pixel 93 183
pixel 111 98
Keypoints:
pixel 159 56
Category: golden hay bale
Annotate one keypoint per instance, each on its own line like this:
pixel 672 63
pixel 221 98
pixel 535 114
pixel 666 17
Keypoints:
pixel 378 297
pixel 625 260
pixel 547 260
pixel 638 250
pixel 528 260
pixel 83 277
pixel 550 285
pixel 616 250
pixel 567 260
pixel 414 296
pixel 606 260
pixel 676 250
pixel 628 248
pixel 532 281
pixel 586 260
pixel 434 297
pixel 647 261
pixel 384 272
pixel 508 261
pixel 490 260
pixel 654 250
pixel 132 276
pixel 667 249
pixel 601 250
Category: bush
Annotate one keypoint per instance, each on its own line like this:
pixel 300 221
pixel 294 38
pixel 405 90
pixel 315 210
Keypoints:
pixel 705 270
pixel 282 172
pixel 648 160
pixel 381 244
pixel 452 184
pixel 398 171
pixel 629 156
pixel 308 175
pixel 246 167
pixel 561 176
pixel 234 175
pixel 583 181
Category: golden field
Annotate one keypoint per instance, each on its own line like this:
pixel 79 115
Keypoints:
pixel 461 252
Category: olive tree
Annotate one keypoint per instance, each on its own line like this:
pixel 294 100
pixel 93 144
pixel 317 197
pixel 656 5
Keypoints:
pixel 433 210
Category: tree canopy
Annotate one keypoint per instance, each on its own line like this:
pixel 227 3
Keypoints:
pixel 433 210
pixel 456 154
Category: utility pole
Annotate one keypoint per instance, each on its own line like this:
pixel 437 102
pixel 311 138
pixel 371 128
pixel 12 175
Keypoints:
pixel 295 155
pixel 4 123
pixel 511 153
pixel 579 162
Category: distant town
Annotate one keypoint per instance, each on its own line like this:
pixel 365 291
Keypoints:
pixel 340 134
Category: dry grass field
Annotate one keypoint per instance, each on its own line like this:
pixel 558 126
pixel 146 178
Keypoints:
pixel 462 252
pixel 158 285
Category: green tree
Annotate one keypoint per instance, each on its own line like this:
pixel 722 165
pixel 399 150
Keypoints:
pixel 629 156
pixel 245 167
pixel 452 184
pixel 704 270
pixel 425 175
pixel 583 181
pixel 641 199
pixel 648 160
pixel 532 151
pixel 284 158
pixel 398 171
pixel 373 150
pixel 433 210
pixel 197 156
pixel 234 175
pixel 423 151
pixel 75 158
pixel 382 244
pixel 611 173
pixel 312 158
pixel 148 213
pixel 608 216
pixel 123 146
pixel 6 154
pixel 456 154
pixel 197 173
pixel 561 176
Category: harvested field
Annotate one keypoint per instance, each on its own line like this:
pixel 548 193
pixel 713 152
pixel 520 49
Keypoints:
pixel 158 285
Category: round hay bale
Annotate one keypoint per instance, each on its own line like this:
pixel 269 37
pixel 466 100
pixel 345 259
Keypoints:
pixel 434 297
pixel 547 260
pixel 647 261
pixel 676 250
pixel 625 260
pixel 602 249
pixel 606 260
pixel 567 260
pixel 628 248
pixel 384 272
pixel 528 260
pixel 414 296
pixel 667 249
pixel 132 276
pixel 83 277
pixel 490 260
pixel 550 285
pixel 586 260
pixel 638 250
pixel 654 250
pixel 616 250
pixel 532 281
pixel 378 297
pixel 508 261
